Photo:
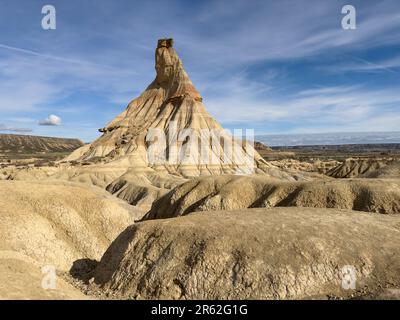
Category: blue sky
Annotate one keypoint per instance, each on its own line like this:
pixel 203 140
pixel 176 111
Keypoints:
pixel 275 66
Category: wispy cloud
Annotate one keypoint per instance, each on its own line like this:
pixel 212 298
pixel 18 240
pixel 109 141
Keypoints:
pixel 325 109
pixel 4 128
pixel 42 55
pixel 288 29
pixel 362 65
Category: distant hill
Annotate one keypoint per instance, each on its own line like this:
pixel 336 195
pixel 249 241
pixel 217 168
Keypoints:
pixel 13 143
pixel 259 146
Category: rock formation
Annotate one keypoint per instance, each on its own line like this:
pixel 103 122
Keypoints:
pixel 163 137
pixel 278 253
pixel 163 128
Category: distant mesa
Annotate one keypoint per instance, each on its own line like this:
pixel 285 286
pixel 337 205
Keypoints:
pixel 34 144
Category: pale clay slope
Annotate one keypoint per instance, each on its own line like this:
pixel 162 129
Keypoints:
pixel 53 223
pixel 141 189
pixel 278 253
pixel 21 278
pixel 241 192
pixel 138 186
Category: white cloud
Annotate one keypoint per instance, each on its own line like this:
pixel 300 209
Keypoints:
pixel 325 109
pixel 52 120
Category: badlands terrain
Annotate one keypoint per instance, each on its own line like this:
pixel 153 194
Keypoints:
pixel 135 216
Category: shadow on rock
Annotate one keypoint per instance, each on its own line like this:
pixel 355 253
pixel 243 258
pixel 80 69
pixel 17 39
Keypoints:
pixel 82 269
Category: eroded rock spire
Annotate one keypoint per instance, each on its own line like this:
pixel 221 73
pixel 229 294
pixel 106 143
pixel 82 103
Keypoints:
pixel 172 105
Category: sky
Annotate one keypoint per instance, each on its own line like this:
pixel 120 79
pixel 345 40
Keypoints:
pixel 278 67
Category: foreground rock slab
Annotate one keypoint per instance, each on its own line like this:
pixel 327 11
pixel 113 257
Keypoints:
pixel 278 253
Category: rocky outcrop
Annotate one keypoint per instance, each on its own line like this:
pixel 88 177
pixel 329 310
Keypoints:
pixel 170 109
pixel 279 253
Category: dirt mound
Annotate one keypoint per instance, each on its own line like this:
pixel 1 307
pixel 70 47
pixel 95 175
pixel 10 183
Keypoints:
pixel 141 188
pixel 53 224
pixel 58 223
pixel 4 175
pixel 312 166
pixel 241 192
pixel 22 277
pixel 390 171
pixel 13 143
pixel 137 186
pixel 279 253
pixel 352 168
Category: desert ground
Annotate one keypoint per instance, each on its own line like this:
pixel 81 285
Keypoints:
pixel 115 223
